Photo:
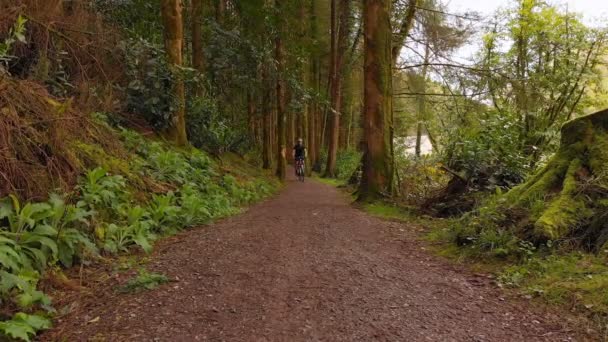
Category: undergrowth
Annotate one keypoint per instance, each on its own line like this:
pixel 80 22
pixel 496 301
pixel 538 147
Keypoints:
pixel 126 203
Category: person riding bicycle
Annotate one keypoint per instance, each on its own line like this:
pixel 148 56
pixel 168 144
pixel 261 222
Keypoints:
pixel 299 154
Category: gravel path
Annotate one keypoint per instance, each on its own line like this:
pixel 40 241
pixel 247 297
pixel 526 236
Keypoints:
pixel 306 266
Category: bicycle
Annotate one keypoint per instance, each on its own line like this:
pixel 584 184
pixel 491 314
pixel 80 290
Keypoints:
pixel 300 169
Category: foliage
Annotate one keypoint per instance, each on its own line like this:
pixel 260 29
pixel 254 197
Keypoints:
pixel 544 75
pixel 23 326
pixel 489 154
pixel 144 281
pixel 150 80
pixel 140 18
pixel 347 162
pixel 15 34
pixel 418 178
pixel 210 129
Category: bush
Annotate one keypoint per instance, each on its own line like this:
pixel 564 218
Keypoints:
pixel 347 162
pixel 211 130
pixel 490 155
pixel 150 81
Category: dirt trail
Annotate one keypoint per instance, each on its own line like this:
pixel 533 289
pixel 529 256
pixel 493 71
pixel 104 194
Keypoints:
pixel 306 266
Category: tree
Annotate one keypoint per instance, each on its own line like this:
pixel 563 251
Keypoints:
pixel 340 32
pixel 171 11
pixel 281 100
pixel 377 179
pixel 197 35
pixel 544 76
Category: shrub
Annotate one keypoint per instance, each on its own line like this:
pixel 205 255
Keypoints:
pixel 150 81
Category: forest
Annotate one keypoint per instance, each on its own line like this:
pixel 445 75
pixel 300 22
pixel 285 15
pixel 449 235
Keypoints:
pixel 125 123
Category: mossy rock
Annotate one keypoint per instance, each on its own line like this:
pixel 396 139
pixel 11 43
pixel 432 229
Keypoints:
pixel 582 158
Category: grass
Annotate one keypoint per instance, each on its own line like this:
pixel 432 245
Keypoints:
pixel 329 181
pixel 578 280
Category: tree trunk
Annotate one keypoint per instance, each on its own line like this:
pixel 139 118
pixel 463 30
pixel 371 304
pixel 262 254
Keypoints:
pixel 251 115
pixel 198 59
pixel 290 134
pixel 171 12
pixel 267 128
pixel 340 23
pixel 281 118
pixel 334 94
pixel 220 11
pixel 377 178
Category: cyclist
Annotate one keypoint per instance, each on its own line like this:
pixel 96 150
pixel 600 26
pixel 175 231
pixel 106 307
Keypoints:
pixel 299 155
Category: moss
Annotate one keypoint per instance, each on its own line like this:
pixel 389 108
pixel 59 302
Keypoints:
pixel 579 280
pixel 387 211
pixel 583 153
pixel 97 156
pixel 565 211
pixel 598 154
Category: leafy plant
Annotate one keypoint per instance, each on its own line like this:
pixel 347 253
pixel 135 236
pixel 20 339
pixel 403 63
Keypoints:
pixel 164 212
pixel 15 34
pixel 193 207
pixel 65 220
pixel 99 189
pixel 144 281
pixel 23 326
pixel 149 89
pixel 22 287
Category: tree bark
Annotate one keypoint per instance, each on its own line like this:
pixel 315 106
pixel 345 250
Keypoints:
pixel 198 58
pixel 281 117
pixel 340 23
pixel 267 127
pixel 171 12
pixel 220 11
pixel 377 178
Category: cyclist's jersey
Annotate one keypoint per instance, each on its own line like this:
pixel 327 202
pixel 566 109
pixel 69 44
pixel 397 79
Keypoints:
pixel 299 151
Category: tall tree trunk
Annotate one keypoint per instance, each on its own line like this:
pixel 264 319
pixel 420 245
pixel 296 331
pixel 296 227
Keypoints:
pixel 340 27
pixel 334 94
pixel 171 12
pixel 281 118
pixel 421 112
pixel 198 58
pixel 267 126
pixel 291 132
pixel 220 11
pixel 377 179
pixel 251 115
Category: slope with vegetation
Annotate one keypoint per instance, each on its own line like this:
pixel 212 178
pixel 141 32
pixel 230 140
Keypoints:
pixel 77 185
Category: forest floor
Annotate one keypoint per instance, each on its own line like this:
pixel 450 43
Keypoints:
pixel 308 266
